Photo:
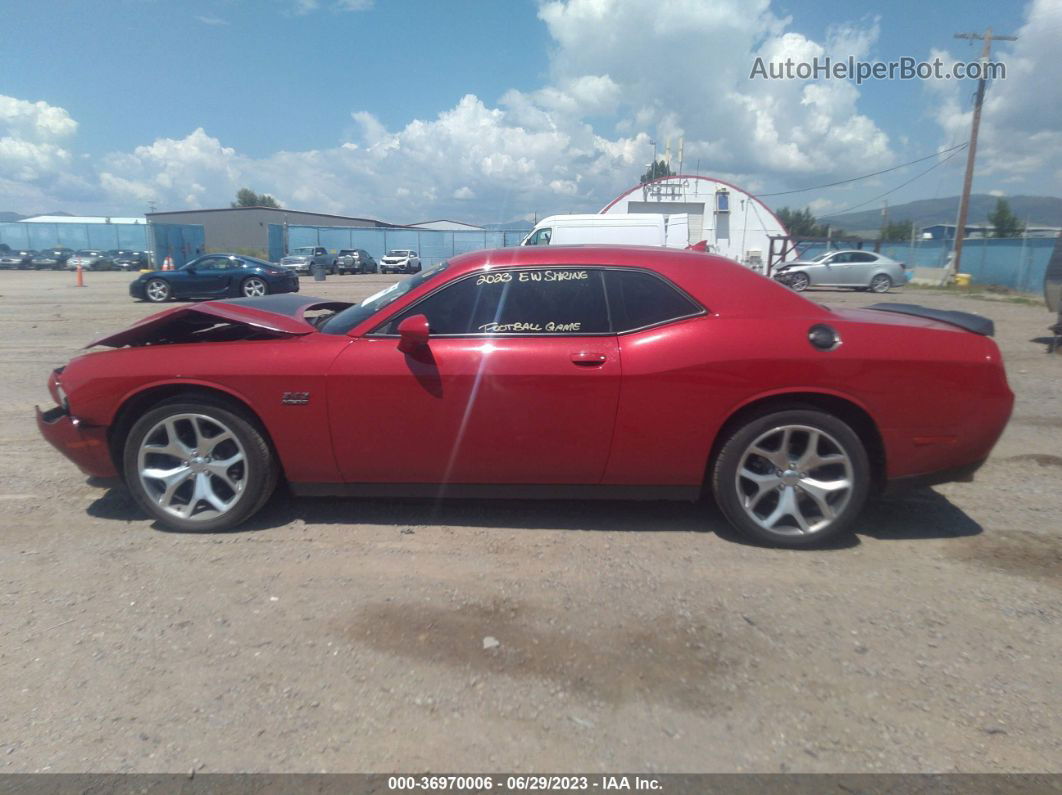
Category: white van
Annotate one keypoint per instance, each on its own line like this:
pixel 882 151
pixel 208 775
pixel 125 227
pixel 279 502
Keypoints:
pixel 632 229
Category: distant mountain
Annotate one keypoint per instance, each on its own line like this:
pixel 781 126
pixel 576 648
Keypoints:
pixel 524 225
pixel 1036 210
pixel 10 217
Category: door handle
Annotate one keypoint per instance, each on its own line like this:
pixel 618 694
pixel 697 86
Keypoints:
pixel 588 358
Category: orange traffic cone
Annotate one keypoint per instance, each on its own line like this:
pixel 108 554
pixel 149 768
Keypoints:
pixel 167 264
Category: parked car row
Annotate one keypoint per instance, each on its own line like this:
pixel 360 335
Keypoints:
pixel 350 260
pixel 62 258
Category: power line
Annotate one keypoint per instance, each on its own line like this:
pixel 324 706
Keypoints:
pixel 893 190
pixel 865 176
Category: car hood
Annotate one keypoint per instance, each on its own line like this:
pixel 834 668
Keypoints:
pixel 283 315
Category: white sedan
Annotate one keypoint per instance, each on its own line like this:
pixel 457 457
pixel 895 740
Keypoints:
pixel 859 270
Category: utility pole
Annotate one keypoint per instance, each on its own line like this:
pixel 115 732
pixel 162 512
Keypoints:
pixel 971 151
pixel 884 225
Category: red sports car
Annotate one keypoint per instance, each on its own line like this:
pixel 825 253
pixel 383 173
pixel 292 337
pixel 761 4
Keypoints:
pixel 554 372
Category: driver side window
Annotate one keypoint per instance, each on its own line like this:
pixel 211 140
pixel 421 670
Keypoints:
pixel 541 237
pixel 562 300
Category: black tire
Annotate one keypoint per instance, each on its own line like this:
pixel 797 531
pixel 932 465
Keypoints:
pixel 742 498
pixel 158 291
pixel 881 283
pixel 799 282
pixel 259 474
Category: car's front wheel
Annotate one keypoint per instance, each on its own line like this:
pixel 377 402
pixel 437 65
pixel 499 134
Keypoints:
pixel 880 283
pixel 254 287
pixel 791 478
pixel 799 281
pixel 158 290
pixel 197 464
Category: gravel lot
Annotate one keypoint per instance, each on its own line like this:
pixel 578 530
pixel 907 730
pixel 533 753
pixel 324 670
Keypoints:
pixel 353 635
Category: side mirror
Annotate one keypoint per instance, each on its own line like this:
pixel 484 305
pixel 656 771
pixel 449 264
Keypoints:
pixel 413 333
pixel 190 269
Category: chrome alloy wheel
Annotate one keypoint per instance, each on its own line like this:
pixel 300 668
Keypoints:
pixel 794 480
pixel 254 287
pixel 157 290
pixel 192 466
pixel 880 283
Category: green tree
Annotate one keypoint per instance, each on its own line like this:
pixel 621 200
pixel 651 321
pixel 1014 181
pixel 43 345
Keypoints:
pixel 898 231
pixel 245 197
pixel 801 223
pixel 657 169
pixel 1004 222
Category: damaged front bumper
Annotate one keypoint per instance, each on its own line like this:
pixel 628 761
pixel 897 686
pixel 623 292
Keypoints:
pixel 85 445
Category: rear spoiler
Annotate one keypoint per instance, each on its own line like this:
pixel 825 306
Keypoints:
pixel 964 320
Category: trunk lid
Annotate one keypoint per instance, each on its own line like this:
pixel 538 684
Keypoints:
pixel 912 315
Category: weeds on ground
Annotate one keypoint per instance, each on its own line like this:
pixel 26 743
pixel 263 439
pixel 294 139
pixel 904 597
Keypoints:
pixel 981 292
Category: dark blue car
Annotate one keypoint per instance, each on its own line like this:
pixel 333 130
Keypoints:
pixel 215 276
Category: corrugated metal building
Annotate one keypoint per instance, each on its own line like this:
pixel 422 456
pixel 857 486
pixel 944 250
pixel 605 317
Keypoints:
pixel 246 229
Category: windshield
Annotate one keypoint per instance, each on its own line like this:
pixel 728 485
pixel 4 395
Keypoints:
pixel 821 257
pixel 399 252
pixel 344 321
pixel 305 251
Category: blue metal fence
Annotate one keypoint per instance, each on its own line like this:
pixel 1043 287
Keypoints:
pixel 1009 262
pixel 431 244
pixel 180 241
pixel 37 236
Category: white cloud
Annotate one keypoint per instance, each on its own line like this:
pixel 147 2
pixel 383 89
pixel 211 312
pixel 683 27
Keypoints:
pixel 303 7
pixel 212 21
pixel 622 74
pixel 34 121
pixel 30 133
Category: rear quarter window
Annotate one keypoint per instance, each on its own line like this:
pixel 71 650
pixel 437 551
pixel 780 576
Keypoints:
pixel 639 299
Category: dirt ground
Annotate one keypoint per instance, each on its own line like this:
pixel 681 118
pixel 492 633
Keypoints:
pixel 353 636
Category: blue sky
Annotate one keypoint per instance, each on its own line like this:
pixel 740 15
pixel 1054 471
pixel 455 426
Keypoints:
pixel 486 111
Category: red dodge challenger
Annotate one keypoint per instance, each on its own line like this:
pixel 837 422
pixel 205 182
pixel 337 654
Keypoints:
pixel 554 372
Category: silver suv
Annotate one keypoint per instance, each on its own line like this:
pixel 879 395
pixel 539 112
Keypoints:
pixel 302 259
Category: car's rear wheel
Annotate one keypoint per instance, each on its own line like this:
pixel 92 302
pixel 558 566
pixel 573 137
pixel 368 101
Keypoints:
pixel 880 283
pixel 791 478
pixel 158 290
pixel 799 281
pixel 196 464
pixel 254 287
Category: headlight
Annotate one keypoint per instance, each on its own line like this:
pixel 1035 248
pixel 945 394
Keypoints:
pixel 64 401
